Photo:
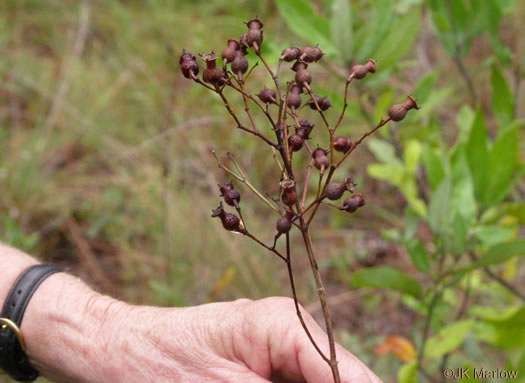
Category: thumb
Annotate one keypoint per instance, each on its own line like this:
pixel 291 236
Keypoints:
pixel 316 369
pixel 295 358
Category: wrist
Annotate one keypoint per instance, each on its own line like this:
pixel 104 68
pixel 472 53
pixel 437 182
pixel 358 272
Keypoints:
pixel 66 328
pixel 14 262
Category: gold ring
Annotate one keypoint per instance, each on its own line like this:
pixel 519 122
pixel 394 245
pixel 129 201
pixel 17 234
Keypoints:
pixel 7 323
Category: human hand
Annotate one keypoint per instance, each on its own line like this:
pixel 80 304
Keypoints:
pixel 240 341
pixel 74 334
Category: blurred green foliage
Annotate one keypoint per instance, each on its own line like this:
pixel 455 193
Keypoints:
pixel 98 129
pixel 463 186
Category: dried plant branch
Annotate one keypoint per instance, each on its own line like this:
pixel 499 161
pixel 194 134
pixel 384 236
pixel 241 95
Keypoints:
pixel 272 249
pixel 296 302
pixel 345 103
pixel 356 143
pixel 239 125
pixel 245 181
pixel 274 77
pixel 289 104
pixel 254 100
pixel 306 181
pixel 312 96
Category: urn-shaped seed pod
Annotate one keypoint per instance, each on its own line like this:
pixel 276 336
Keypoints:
pixel 323 102
pixel 212 74
pixel 188 65
pixel 295 142
pixel 360 71
pixel 229 221
pixel 335 190
pixel 228 54
pixel 254 36
pixel 321 162
pixel 225 187
pixel 360 199
pixel 242 39
pixel 289 196
pixel 284 224
pixel 351 204
pixel 290 54
pixel 398 112
pixel 230 195
pixel 306 125
pixel 267 96
pixel 294 98
pixel 311 54
pixel 318 152
pixel 301 74
pixel 239 64
pixel 311 103
pixel 371 66
pixel 304 133
pixel 342 144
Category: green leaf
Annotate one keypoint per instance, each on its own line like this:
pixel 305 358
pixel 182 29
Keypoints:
pixel 382 17
pixel 516 210
pixel 448 339
pixel 464 119
pixel 424 87
pixel 460 226
pixel 501 252
pixel 502 52
pixel 440 20
pixel 387 278
pixel 409 189
pixel 503 161
pixel 411 155
pixel 501 97
pixel 392 173
pixel 460 17
pixel 438 212
pixel 505 331
pixel 384 151
pixel 341 28
pixel 477 155
pixel 435 99
pixel 492 314
pixel 302 20
pixel 514 316
pixel 399 40
pixel 407 373
pixel 462 199
pixel 506 188
pixel 433 167
pixel 412 222
pixel 492 235
pixel 383 103
pixel 418 254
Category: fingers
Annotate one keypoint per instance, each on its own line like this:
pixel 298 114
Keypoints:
pixel 314 369
pixel 294 357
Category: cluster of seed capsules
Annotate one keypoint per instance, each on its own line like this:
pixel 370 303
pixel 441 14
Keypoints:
pixel 233 56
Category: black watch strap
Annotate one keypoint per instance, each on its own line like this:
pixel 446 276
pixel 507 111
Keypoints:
pixel 13 359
